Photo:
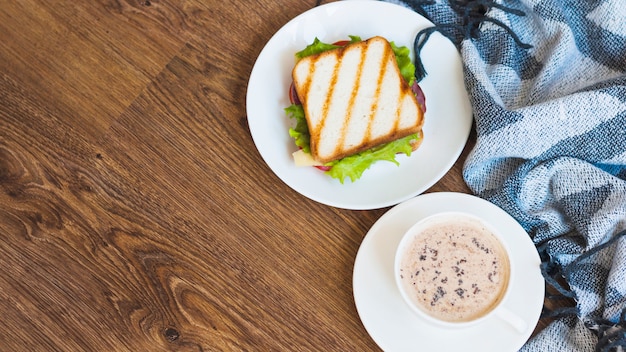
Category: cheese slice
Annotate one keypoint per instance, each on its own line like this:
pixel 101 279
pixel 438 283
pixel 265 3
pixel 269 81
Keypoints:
pixel 302 158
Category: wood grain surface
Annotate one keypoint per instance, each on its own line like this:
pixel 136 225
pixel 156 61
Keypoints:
pixel 135 211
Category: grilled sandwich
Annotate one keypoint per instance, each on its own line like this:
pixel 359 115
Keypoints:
pixel 354 98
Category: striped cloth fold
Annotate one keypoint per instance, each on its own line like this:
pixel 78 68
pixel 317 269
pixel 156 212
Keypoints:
pixel 547 82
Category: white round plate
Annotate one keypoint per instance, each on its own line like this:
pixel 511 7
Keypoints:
pixel 386 316
pixel 448 117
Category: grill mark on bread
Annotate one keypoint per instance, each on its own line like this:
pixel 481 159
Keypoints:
pixel 379 85
pixel 306 87
pixel 329 93
pixel 356 83
pixel 396 125
pixel 401 96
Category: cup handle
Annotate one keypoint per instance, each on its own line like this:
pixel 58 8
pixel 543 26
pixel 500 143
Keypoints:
pixel 512 319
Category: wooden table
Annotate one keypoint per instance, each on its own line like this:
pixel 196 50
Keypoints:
pixel 135 211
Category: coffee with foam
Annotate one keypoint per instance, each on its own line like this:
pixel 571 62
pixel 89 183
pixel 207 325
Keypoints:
pixel 454 269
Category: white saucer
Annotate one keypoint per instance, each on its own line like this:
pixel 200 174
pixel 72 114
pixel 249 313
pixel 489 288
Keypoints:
pixel 448 117
pixel 387 318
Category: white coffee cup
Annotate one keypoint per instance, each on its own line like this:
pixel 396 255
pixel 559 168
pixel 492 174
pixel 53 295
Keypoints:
pixel 454 270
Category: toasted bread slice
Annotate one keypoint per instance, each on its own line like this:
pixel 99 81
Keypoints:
pixel 354 98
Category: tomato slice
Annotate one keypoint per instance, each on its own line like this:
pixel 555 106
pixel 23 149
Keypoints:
pixel 419 94
pixel 293 95
pixel 324 168
pixel 342 43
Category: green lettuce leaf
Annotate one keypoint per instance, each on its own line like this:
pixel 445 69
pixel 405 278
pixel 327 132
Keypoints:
pixel 353 166
pixel 319 47
pixel 403 58
pixel 300 133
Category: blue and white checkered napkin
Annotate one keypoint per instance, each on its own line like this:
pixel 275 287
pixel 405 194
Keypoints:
pixel 547 80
